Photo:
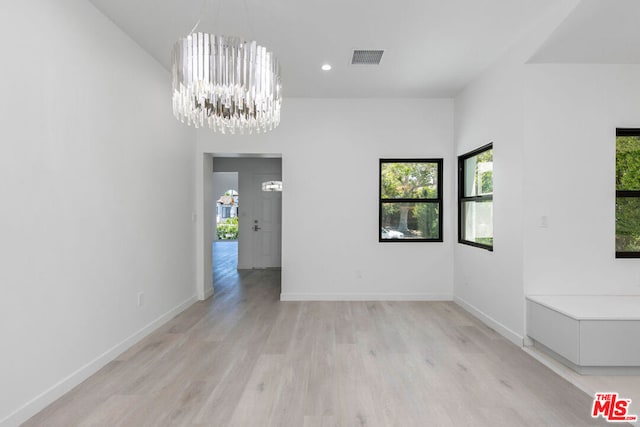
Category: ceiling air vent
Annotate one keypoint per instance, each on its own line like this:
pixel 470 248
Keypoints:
pixel 367 57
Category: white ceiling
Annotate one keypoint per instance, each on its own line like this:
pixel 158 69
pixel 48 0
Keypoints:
pixel 597 31
pixel 433 48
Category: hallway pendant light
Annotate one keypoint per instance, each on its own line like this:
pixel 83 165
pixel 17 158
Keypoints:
pixel 226 84
pixel 272 186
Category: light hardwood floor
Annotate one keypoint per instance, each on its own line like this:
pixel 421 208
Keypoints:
pixel 243 358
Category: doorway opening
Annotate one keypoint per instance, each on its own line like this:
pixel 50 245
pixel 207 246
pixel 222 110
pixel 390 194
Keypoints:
pixel 226 228
pixel 246 221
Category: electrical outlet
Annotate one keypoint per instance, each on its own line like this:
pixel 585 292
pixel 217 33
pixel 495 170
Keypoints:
pixel 140 299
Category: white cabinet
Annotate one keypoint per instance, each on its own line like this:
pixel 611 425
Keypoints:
pixel 587 331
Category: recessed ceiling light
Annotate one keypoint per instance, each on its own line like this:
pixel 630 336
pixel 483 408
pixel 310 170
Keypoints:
pixel 326 67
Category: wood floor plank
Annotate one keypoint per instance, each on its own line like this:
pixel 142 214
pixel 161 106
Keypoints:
pixel 243 358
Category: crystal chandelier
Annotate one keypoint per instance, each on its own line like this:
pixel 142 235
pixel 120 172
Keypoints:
pixel 226 84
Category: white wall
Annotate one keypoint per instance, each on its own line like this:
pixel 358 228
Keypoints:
pixel 97 195
pixel 246 168
pixel 491 109
pixel 490 283
pixel 571 118
pixel 330 150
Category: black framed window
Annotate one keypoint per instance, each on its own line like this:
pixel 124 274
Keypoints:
pixel 475 198
pixel 410 200
pixel 627 193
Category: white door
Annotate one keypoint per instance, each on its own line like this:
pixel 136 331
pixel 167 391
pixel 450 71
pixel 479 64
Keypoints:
pixel 266 224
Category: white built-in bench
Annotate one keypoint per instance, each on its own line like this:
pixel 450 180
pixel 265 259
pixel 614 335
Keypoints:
pixel 590 334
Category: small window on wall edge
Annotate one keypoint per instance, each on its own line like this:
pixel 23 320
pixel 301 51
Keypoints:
pixel 475 198
pixel 410 202
pixel 627 193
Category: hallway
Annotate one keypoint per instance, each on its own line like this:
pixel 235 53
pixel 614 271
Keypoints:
pixel 225 263
pixel 244 358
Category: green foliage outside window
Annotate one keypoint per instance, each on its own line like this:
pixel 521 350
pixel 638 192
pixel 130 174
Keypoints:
pixel 628 208
pixel 486 177
pixel 628 163
pixel 427 216
pixel 411 180
pixel 228 229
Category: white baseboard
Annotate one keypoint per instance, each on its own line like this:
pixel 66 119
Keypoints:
pixel 208 293
pixel 512 336
pixel 56 391
pixel 285 296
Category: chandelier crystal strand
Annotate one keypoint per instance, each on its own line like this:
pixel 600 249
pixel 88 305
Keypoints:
pixel 225 84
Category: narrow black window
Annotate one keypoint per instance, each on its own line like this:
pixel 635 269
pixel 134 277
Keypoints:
pixel 410 200
pixel 475 198
pixel 627 193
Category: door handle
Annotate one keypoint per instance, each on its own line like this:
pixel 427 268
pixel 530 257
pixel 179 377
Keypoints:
pixel 256 228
